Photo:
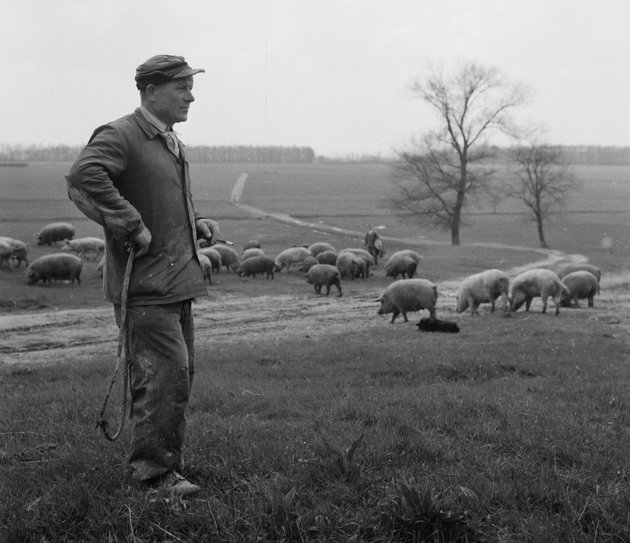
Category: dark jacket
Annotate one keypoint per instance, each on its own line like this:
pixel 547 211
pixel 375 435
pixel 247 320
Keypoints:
pixel 126 177
pixel 370 238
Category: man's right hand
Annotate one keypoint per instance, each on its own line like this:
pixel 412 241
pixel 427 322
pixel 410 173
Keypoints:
pixel 142 240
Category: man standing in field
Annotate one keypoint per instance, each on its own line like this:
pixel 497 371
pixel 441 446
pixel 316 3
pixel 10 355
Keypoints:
pixel 373 243
pixel 133 179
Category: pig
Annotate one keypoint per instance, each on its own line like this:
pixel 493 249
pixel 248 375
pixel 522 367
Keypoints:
pixel 406 295
pixel 406 252
pixel 229 256
pixel 483 287
pixel 292 255
pixel 536 282
pixel 19 248
pixel 252 251
pixel 56 266
pixel 319 247
pixel 6 254
pixel 308 263
pixel 360 252
pixel 321 275
pixel 95 247
pixel 363 267
pixel 400 264
pixel 206 267
pixel 581 284
pixel 54 232
pixel 214 256
pixel 428 324
pixel 255 265
pixel 252 244
pixel 348 264
pixel 569 268
pixel 327 257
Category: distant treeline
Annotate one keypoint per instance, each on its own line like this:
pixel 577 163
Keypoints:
pixel 573 154
pixel 38 153
pixel 194 153
pixel 581 154
pixel 243 153
pixel 591 154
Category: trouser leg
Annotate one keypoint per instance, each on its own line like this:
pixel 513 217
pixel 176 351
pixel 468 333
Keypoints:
pixel 188 331
pixel 160 345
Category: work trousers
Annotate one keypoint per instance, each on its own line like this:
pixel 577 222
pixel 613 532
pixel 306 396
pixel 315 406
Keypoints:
pixel 161 347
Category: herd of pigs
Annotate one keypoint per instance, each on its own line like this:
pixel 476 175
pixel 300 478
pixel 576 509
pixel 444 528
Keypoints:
pixel 324 267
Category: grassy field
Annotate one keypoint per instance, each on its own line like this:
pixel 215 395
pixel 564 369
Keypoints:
pixel 484 437
pixel 516 429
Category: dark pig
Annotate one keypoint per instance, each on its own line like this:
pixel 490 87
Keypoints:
pixel 255 265
pixel 581 284
pixel 324 275
pixel 428 324
pixel 54 232
pixel 54 267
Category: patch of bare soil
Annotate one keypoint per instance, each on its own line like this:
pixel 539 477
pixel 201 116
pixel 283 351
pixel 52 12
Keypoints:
pixel 72 336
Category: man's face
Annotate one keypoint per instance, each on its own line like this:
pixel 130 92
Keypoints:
pixel 170 101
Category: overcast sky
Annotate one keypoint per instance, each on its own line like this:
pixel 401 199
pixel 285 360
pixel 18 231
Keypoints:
pixel 330 74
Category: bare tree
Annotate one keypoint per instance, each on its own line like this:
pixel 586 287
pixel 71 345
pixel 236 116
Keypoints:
pixel 543 182
pixel 435 180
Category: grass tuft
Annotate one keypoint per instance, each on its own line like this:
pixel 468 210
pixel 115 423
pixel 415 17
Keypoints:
pixel 421 516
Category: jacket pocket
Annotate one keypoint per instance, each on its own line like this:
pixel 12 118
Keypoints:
pixel 150 274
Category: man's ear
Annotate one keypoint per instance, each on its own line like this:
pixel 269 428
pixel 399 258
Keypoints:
pixel 150 91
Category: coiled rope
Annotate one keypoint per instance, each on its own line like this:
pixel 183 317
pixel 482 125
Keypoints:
pixel 121 357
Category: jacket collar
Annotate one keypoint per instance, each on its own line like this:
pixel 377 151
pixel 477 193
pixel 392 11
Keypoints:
pixel 149 128
pixel 153 119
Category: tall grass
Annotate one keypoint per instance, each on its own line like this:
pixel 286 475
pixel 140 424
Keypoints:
pixel 516 429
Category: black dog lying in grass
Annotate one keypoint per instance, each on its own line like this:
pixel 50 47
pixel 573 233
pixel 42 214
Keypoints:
pixel 428 324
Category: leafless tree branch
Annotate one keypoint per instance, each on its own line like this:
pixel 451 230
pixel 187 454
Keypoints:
pixel 543 181
pixel 471 104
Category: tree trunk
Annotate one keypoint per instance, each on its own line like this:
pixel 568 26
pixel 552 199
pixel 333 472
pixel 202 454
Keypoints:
pixel 457 213
pixel 455 232
pixel 541 234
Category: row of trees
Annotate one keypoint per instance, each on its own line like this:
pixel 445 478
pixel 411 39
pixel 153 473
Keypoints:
pixel 38 153
pixel 224 153
pixel 440 174
pixel 244 153
pixel 593 154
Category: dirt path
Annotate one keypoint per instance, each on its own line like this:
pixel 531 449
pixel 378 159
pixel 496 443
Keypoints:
pixel 52 337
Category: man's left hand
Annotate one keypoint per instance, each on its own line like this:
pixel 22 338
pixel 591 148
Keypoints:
pixel 207 229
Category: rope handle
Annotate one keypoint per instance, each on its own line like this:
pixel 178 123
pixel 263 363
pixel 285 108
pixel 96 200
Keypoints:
pixel 122 355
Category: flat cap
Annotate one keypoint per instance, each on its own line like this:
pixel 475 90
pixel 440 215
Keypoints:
pixel 163 68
